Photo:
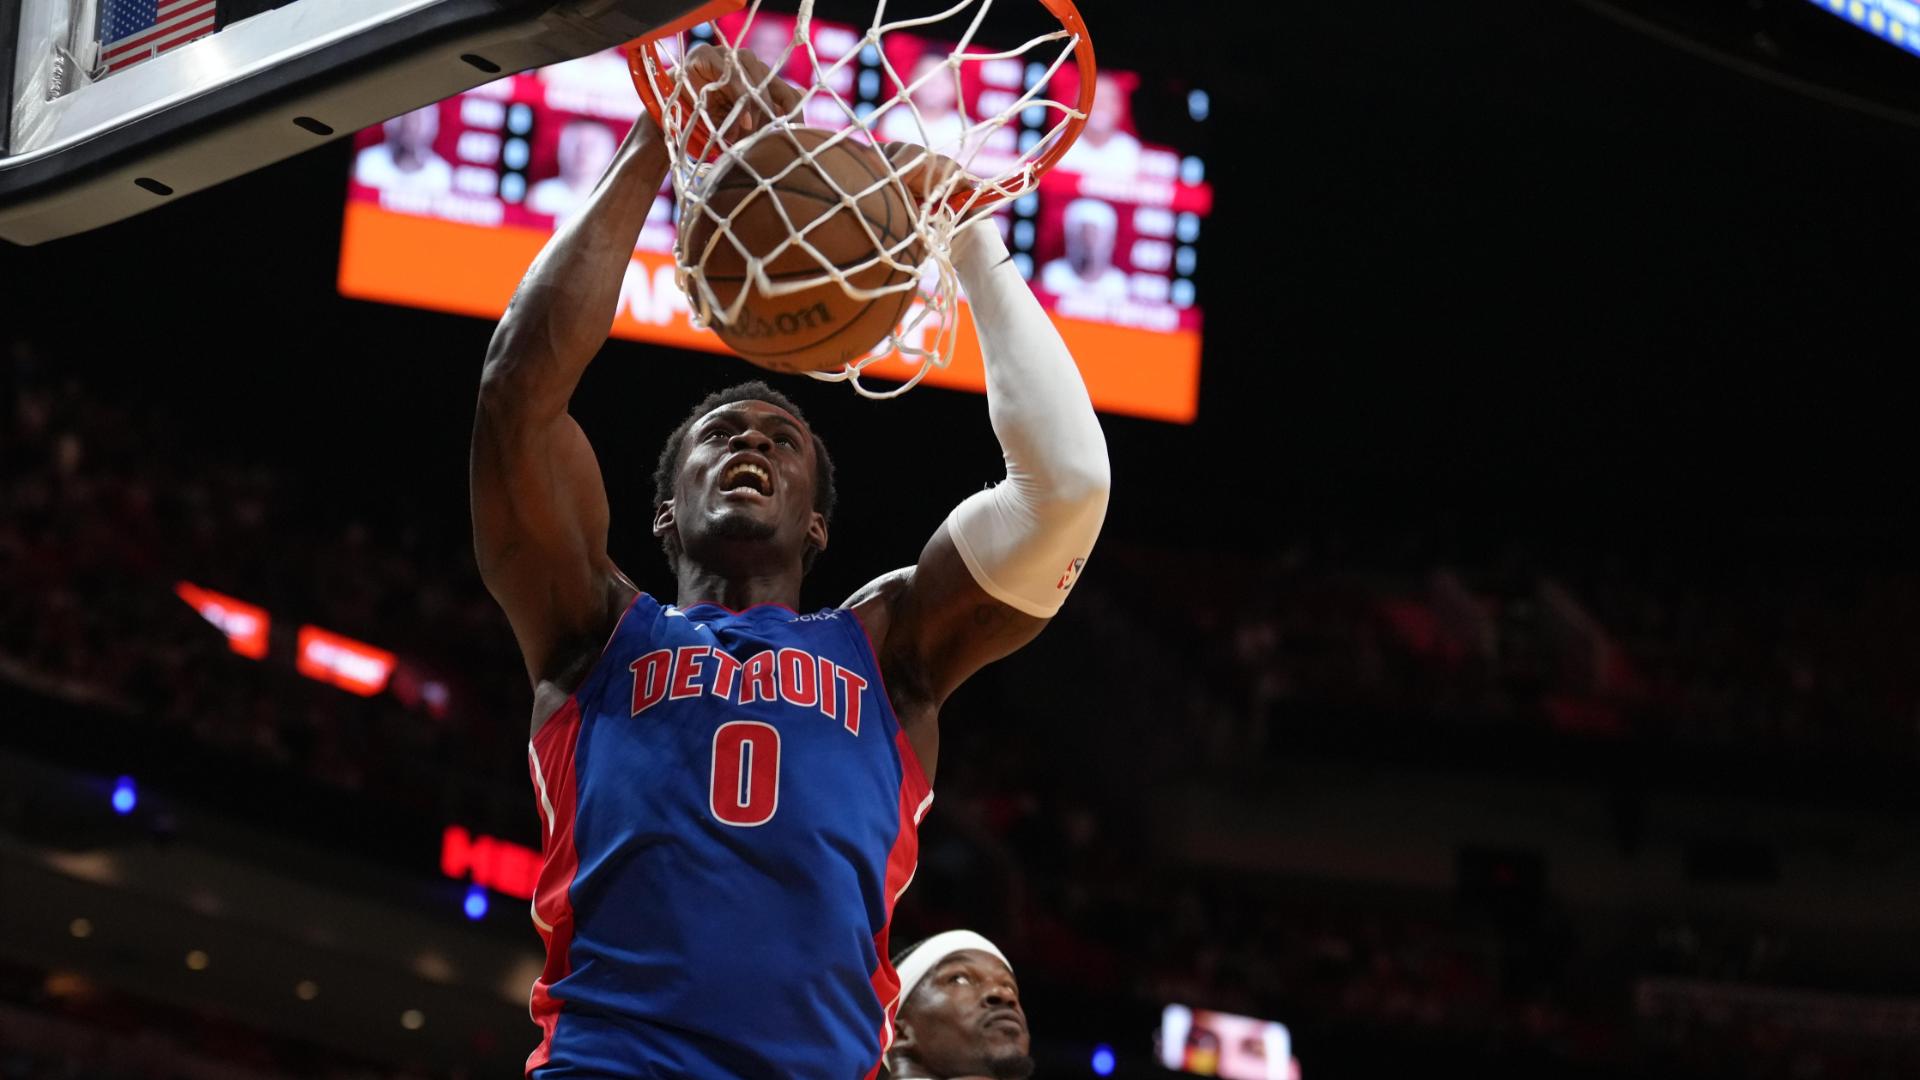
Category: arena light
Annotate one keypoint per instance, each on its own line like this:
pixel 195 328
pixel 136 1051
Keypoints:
pixel 1103 1060
pixel 244 624
pixel 125 798
pixel 1894 21
pixel 500 865
pixel 353 666
pixel 475 905
pixel 321 654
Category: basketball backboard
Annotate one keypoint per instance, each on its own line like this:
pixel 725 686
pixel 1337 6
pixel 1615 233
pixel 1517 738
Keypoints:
pixel 114 107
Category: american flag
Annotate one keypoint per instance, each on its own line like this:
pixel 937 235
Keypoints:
pixel 133 30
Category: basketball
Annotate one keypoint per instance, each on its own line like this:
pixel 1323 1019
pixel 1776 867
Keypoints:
pixel 820 327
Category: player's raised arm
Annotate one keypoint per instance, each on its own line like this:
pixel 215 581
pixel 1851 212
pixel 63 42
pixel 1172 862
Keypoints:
pixel 1002 563
pixel 539 505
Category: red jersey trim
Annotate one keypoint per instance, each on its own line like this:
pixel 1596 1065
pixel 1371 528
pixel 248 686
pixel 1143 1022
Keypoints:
pixel 915 798
pixel 913 773
pixel 551 759
pixel 595 668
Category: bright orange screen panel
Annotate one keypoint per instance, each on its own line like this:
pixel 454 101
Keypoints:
pixel 446 266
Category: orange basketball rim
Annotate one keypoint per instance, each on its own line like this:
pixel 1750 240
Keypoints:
pixel 652 68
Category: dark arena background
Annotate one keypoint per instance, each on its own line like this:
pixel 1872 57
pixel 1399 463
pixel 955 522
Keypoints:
pixel 1509 671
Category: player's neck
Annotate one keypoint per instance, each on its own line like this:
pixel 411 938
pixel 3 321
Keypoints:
pixel 904 1067
pixel 699 584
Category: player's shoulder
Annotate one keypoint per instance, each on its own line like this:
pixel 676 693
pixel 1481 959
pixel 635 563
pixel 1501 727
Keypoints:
pixel 824 615
pixel 884 589
pixel 872 605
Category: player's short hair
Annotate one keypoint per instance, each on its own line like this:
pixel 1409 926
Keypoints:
pixel 901 956
pixel 674 453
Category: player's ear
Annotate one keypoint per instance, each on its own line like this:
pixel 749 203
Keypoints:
pixel 663 519
pixel 816 531
pixel 902 1036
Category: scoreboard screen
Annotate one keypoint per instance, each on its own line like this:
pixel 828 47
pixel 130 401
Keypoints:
pixel 447 205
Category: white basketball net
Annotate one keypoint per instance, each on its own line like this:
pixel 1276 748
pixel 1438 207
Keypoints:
pixel 998 153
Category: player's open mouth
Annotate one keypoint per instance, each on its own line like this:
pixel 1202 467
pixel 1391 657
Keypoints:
pixel 747 476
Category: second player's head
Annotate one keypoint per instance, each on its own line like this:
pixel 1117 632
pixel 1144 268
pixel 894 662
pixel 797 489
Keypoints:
pixel 961 1014
pixel 743 487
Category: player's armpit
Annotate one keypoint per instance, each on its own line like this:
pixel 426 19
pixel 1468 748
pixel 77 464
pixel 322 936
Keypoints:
pixel 934 626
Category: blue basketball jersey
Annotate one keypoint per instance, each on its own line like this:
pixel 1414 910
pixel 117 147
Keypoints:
pixel 730 810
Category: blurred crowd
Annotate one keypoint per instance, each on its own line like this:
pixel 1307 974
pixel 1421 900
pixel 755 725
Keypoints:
pixel 97 526
pixel 1767 654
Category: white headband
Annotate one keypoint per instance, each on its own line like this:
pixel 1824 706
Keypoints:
pixel 928 954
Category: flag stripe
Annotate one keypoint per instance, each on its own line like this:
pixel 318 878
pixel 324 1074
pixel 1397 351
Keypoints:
pixel 153 51
pixel 149 40
pixel 169 46
pixel 148 54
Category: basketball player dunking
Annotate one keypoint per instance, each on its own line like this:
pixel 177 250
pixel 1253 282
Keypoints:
pixel 729 791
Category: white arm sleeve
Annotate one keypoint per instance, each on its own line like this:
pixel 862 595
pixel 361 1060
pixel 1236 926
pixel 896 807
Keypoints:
pixel 1026 539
